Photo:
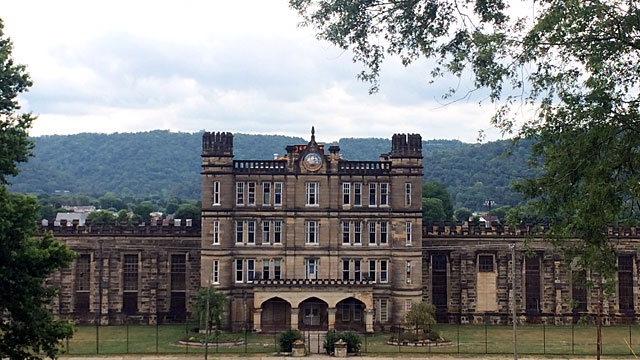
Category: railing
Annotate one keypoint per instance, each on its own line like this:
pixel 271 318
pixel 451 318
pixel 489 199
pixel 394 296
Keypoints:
pixel 317 282
pixel 259 166
pixel 364 167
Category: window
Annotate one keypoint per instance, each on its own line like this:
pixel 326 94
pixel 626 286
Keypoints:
pixel 357 233
pixel 312 193
pixel 372 270
pixel 346 193
pixel 251 193
pixel 311 268
pixel 239 232
pixel 407 194
pixel 357 194
pixel 178 272
pixel 266 232
pixel 311 232
pixel 345 269
pixel 216 193
pixel 240 193
pixel 408 272
pixel 277 232
pixel 266 193
pixel 215 272
pixel 485 263
pixel 346 309
pixel 579 291
pixel 439 291
pixel 357 312
pixel 239 271
pixel 251 232
pixel 383 232
pixel 277 269
pixel 408 234
pixel 345 233
pixel 384 271
pixel 384 310
pixel 216 232
pixel 130 284
pixel 251 270
pixel 372 232
pixel 265 268
pixel 384 194
pixel 277 193
pixel 532 284
pixel 373 187
pixel 407 305
pixel 625 282
pixel 83 283
pixel 356 270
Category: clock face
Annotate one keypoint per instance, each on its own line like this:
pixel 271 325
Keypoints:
pixel 313 161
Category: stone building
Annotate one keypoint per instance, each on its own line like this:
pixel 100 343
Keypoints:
pixel 312 240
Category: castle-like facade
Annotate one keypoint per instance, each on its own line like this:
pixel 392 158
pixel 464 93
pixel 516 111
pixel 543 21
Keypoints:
pixel 314 241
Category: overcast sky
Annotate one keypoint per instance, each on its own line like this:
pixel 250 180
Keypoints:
pixel 239 66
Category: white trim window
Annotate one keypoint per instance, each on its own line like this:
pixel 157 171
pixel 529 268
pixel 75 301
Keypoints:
pixel 357 274
pixel 240 193
pixel 216 193
pixel 266 266
pixel 357 233
pixel 346 269
pixel 277 269
pixel 372 270
pixel 357 194
pixel 384 232
pixel 384 271
pixel 312 193
pixel 373 194
pixel 277 232
pixel 372 233
pixel 345 233
pixel 408 272
pixel 384 310
pixel 251 193
pixel 215 272
pixel 277 194
pixel 239 271
pixel 266 194
pixel 251 270
pixel 251 232
pixel 311 268
pixel 407 305
pixel 216 233
pixel 266 232
pixel 311 232
pixel 239 232
pixel 346 193
pixel 407 194
pixel 384 194
pixel 408 239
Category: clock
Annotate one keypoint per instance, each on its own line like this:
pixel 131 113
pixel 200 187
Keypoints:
pixel 312 161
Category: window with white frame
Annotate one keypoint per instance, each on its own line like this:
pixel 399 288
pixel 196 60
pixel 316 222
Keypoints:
pixel 216 193
pixel 357 233
pixel 372 270
pixel 346 193
pixel 408 239
pixel 345 233
pixel 266 266
pixel 357 194
pixel 407 194
pixel 407 305
pixel 384 194
pixel 373 194
pixel 216 233
pixel 277 232
pixel 239 193
pixel 357 274
pixel 345 269
pixel 251 232
pixel 266 232
pixel 384 271
pixel 311 268
pixel 215 272
pixel 311 231
pixel 384 231
pixel 251 193
pixel 372 232
pixel 408 272
pixel 277 269
pixel 357 312
pixel 345 311
pixel 384 310
pixel 239 271
pixel 312 193
pixel 239 232
pixel 251 270
pixel 277 193
pixel 266 193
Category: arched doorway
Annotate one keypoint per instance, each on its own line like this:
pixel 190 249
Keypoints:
pixel 313 315
pixel 276 315
pixel 350 315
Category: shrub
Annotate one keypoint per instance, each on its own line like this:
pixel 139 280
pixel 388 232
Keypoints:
pixel 330 340
pixel 287 338
pixel 352 339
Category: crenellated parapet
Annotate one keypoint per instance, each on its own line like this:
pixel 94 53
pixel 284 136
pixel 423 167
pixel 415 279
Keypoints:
pixel 183 227
pixel 496 229
pixel 217 144
pixel 406 145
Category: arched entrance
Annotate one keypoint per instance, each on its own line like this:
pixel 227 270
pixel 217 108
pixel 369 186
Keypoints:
pixel 313 315
pixel 350 315
pixel 275 315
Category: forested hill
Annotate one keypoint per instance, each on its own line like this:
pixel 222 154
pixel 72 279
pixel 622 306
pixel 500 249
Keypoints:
pixel 168 164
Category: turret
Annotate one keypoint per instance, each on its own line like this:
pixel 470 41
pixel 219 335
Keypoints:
pixel 217 144
pixel 406 145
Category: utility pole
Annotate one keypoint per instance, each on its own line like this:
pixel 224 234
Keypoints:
pixel 99 320
pixel 599 338
pixel 206 331
pixel 513 299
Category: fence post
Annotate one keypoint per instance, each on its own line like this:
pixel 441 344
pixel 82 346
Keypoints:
pixel 573 352
pixel 486 343
pixel 275 343
pixel 245 338
pixel 366 341
pixel 630 344
pixel 544 339
pixel 186 336
pixel 68 345
pixel 429 344
pixel 458 328
pixel 399 349
pixel 127 337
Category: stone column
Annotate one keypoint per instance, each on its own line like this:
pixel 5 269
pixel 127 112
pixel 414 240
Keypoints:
pixel 294 318
pixel 331 312
pixel 368 320
pixel 257 317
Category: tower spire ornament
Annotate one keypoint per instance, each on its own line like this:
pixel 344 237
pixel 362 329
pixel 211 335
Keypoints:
pixel 313 134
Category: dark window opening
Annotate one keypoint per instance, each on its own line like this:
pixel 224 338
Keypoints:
pixel 439 281
pixel 485 263
pixel 532 280
pixel 83 283
pixel 130 284
pixel 625 282
pixel 130 302
pixel 579 291
pixel 178 272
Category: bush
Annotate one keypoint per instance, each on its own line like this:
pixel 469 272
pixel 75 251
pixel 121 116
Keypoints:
pixel 330 340
pixel 287 338
pixel 351 338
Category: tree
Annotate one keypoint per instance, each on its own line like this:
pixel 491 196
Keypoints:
pixel 189 211
pixel 217 304
pixel 463 214
pixel 123 215
pixel 104 216
pixel 438 190
pixel 501 213
pixel 144 210
pixel 574 63
pixel 26 260
pixel 432 210
pixel 421 316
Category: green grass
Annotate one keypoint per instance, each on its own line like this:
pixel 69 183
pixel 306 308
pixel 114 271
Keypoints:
pixel 467 339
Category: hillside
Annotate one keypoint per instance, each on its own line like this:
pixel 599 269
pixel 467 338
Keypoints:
pixel 168 164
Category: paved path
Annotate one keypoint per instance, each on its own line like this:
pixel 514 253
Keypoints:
pixel 310 357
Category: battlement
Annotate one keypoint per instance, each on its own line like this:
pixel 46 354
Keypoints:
pixel 182 227
pixel 409 145
pixel 217 144
pixel 504 230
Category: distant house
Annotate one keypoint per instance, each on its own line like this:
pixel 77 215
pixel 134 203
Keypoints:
pixel 69 217
pixel 80 209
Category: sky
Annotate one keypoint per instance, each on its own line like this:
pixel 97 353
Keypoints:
pixel 239 66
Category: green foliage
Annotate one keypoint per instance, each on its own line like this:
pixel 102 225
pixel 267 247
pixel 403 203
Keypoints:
pixel 438 190
pixel 432 210
pixel 143 210
pixel 123 215
pixel 421 316
pixel 329 341
pixel 501 213
pixel 463 214
pixel 104 216
pixel 287 338
pixel 217 305
pixel 189 211
pixel 351 338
